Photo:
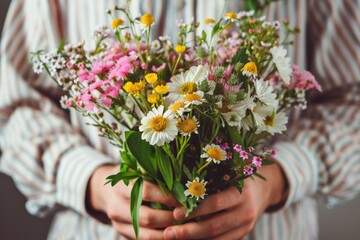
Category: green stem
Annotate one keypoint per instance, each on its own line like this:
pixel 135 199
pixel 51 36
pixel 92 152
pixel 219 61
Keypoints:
pixel 203 166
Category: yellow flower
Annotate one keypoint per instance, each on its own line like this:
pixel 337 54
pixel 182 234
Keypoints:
pixel 180 48
pixel 117 22
pixel 162 89
pixel 192 97
pixel 188 126
pixel 196 188
pixel 209 21
pixel 152 98
pixel 151 78
pixel 176 106
pixel 231 15
pixel 213 153
pixel 250 69
pixel 147 20
pixel 134 88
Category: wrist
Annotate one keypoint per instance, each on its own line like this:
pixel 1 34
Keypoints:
pixel 277 184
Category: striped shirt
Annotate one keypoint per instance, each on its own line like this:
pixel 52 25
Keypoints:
pixel 51 154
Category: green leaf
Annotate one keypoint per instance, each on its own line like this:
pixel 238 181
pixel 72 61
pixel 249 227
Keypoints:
pixel 260 176
pixel 61 45
pixel 162 186
pixel 114 179
pixel 240 56
pixel 238 184
pixel 128 159
pixel 165 167
pixel 142 151
pixel 203 36
pixel 135 203
pixel 178 192
pixel 215 29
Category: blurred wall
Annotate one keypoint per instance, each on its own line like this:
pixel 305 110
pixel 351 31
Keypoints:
pixel 342 222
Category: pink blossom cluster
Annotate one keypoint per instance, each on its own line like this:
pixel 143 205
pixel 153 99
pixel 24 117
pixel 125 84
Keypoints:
pixel 303 80
pixel 101 81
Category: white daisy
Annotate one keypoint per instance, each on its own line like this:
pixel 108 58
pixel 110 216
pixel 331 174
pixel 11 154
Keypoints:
pixel 213 152
pixel 186 83
pixel 196 188
pixel 179 108
pixel 158 127
pixel 187 126
pixel 282 62
pixel 274 123
pixel 265 93
pixel 260 112
pixel 196 98
pixel 238 111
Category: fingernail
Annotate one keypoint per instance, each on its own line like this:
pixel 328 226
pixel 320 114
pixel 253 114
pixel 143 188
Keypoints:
pixel 170 234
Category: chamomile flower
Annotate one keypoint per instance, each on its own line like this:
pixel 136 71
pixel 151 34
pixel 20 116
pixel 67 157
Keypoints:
pixel 250 70
pixel 196 188
pixel 282 62
pixel 274 123
pixel 265 93
pixel 196 98
pixel 213 152
pixel 179 107
pixel 186 83
pixel 158 127
pixel 187 126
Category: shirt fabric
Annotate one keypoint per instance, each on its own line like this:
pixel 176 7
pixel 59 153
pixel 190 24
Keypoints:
pixel 51 153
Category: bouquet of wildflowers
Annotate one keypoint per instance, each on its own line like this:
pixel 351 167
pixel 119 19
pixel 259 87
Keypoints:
pixel 193 116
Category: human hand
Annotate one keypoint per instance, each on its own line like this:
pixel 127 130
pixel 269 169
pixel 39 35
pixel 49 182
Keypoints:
pixel 115 203
pixel 229 214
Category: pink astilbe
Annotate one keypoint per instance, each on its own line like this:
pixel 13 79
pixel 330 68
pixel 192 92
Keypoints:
pixel 121 68
pixel 303 80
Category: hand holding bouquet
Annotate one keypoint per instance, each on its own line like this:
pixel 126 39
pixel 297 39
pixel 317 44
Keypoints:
pixel 192 117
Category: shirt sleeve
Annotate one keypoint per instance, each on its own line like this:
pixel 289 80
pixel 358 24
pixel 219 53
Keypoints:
pixel 320 156
pixel 47 157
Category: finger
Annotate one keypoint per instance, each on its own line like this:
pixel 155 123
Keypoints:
pixel 127 231
pixel 148 217
pixel 215 225
pixel 153 193
pixel 238 233
pixel 212 204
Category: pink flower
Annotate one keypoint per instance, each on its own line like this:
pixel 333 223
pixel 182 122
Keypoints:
pixel 243 154
pixel 229 155
pixel 159 69
pixel 248 170
pixel 257 161
pixel 303 80
pixel 122 67
pixel 237 148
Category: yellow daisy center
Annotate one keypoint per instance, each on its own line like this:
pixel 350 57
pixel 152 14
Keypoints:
pixel 231 15
pixel 158 123
pixel 147 19
pixel 209 20
pixel 180 48
pixel 192 97
pixel 176 106
pixel 251 68
pixel 214 153
pixel 269 121
pixel 151 78
pixel 161 89
pixel 188 87
pixel 197 189
pixel 117 22
pixel 188 126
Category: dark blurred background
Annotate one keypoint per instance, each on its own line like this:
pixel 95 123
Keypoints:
pixel 342 222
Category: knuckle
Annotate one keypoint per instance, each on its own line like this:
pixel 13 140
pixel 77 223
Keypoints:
pixel 217 202
pixel 145 219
